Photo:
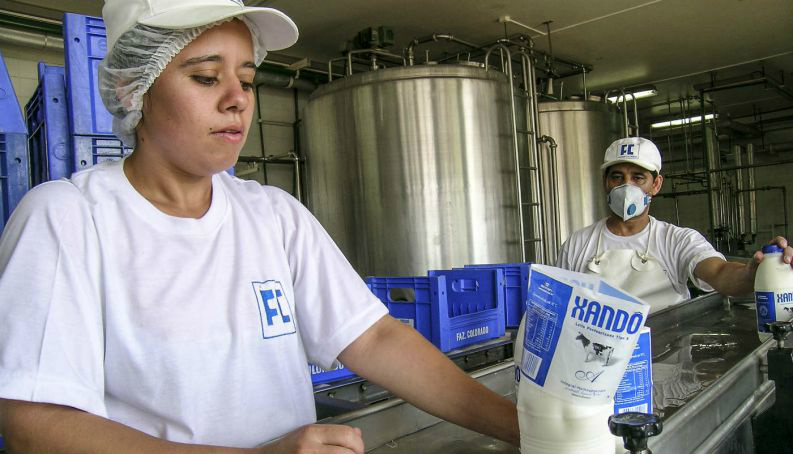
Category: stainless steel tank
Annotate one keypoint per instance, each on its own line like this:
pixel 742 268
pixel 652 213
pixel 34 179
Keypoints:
pixel 412 168
pixel 582 130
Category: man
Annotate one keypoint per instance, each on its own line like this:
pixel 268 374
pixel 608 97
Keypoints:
pixel 648 258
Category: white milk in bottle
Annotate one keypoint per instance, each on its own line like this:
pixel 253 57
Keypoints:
pixel 550 425
pixel 773 290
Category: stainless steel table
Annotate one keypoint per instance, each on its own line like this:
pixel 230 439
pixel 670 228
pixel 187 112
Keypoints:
pixel 708 382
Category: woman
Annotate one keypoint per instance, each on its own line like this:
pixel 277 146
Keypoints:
pixel 158 304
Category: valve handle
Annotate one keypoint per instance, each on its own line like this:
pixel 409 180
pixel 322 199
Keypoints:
pixel 779 330
pixel 635 428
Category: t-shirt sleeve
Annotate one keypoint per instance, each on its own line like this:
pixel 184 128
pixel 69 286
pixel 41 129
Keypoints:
pixel 563 258
pixel 333 304
pixel 692 248
pixel 51 330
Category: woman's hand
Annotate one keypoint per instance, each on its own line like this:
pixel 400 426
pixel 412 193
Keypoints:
pixel 318 439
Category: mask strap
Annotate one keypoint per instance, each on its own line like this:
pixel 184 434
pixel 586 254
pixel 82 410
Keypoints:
pixel 646 255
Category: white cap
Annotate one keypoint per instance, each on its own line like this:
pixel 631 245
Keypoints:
pixel 633 150
pixel 275 30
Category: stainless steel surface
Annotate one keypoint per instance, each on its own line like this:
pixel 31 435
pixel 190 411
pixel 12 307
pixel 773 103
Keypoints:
pixel 706 373
pixel 582 130
pixel 708 382
pixel 383 423
pixel 411 169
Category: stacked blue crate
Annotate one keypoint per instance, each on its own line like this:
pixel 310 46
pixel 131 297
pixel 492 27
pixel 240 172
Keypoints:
pixel 475 307
pixel 13 148
pixel 90 124
pixel 48 126
pixel 516 289
pixel 451 308
pixel 321 376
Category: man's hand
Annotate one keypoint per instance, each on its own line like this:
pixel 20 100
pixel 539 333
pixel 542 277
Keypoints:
pixel 787 254
pixel 318 439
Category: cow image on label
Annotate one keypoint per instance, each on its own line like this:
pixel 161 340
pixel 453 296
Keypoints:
pixel 594 350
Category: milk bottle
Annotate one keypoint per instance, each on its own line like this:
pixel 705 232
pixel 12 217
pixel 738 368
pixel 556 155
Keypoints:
pixel 773 290
pixel 575 342
pixel 550 425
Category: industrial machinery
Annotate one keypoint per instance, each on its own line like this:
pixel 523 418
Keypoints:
pixel 427 166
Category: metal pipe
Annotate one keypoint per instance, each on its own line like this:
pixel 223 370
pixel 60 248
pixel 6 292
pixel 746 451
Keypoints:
pixel 583 81
pixel 752 198
pixel 710 183
pixel 537 188
pixel 278 80
pixel 516 154
pixel 296 140
pixel 30 39
pixel 552 247
pixel 782 189
pixel 739 202
pixel 261 132
pixel 626 127
pixel 635 115
pixel 431 38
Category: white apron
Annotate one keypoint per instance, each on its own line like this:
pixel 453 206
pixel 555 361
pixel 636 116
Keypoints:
pixel 637 273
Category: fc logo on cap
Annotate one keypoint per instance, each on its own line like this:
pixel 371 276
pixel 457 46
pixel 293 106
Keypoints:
pixel 626 150
pixel 274 310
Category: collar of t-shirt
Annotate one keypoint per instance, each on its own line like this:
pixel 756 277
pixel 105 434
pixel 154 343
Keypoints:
pixel 205 225
pixel 637 241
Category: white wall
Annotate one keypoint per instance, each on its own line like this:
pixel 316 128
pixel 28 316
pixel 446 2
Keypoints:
pixel 692 211
pixel 22 64
pixel 278 114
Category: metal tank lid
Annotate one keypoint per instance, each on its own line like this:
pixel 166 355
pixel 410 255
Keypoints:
pixel 409 72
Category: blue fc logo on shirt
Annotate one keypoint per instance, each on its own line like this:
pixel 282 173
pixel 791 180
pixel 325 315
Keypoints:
pixel 274 310
pixel 626 150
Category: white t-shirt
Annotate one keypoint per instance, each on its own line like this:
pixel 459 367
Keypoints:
pixel 678 249
pixel 191 330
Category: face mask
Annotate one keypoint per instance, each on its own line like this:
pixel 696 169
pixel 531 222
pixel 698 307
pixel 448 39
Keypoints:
pixel 627 201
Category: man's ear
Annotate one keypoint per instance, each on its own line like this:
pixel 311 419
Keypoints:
pixel 657 183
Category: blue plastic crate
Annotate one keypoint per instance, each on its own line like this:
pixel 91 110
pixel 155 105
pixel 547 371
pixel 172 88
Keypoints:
pixel 85 44
pixel 48 126
pixel 452 309
pixel 321 376
pixel 14 173
pixel 474 307
pixel 516 289
pixel 90 150
pixel 412 300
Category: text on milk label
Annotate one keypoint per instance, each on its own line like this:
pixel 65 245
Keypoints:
pixel 605 317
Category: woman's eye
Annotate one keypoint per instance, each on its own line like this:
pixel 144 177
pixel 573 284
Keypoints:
pixel 204 80
pixel 247 86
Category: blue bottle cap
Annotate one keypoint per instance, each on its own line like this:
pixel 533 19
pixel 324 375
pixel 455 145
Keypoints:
pixel 771 249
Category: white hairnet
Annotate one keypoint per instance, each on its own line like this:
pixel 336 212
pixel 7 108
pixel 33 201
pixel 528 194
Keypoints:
pixel 136 60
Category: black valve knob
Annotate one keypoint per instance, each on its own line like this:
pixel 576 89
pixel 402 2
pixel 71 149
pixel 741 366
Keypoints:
pixel 635 428
pixel 779 330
